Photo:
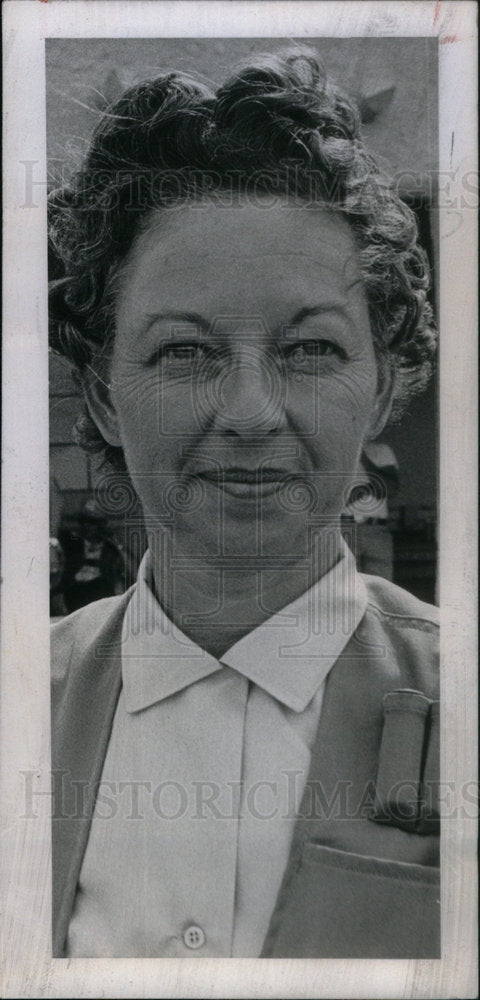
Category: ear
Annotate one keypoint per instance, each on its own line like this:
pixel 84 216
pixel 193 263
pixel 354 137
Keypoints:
pixel 100 405
pixel 383 405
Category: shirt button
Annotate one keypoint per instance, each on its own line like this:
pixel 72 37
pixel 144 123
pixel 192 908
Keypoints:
pixel 193 937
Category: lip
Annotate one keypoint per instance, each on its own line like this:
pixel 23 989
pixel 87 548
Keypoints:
pixel 246 484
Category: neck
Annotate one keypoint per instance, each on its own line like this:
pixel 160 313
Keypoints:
pixel 217 602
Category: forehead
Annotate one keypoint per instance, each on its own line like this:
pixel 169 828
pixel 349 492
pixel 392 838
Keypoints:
pixel 242 256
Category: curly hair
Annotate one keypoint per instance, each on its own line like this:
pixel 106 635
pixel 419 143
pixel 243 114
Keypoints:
pixel 277 125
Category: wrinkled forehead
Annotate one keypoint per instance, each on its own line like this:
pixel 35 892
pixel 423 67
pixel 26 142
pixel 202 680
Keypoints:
pixel 237 254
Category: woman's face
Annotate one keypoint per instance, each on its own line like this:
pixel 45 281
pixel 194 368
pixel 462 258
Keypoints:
pixel 243 375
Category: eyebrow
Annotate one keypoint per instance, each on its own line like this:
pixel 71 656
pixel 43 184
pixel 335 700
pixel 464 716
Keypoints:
pixel 308 311
pixel 195 318
pixel 179 317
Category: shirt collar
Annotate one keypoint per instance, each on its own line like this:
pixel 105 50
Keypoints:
pixel 158 659
pixel 289 655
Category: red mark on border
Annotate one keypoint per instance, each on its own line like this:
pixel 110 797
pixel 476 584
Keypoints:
pixel 437 11
pixel 447 39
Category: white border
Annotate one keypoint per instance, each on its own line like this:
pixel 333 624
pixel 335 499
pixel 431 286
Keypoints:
pixel 27 968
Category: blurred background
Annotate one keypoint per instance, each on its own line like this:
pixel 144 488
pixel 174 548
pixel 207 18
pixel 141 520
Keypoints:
pixel 395 84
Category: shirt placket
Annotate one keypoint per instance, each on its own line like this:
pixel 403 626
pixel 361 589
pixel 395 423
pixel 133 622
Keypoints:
pixel 201 847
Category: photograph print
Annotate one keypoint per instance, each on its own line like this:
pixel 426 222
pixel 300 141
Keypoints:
pixel 243 312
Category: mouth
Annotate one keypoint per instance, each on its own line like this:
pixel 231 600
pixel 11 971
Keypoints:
pixel 246 484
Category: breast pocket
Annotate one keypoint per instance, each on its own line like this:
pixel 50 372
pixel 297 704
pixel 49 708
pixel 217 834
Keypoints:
pixel 345 905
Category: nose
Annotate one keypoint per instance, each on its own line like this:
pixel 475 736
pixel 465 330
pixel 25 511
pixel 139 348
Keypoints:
pixel 248 397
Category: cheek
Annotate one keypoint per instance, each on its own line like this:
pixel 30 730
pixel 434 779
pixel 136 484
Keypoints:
pixel 333 409
pixel 153 412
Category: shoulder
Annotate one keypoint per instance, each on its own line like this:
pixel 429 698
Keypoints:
pixel 74 636
pixel 399 606
pixel 404 631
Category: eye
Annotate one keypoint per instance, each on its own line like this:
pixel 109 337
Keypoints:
pixel 309 354
pixel 182 352
pixel 179 357
pixel 197 358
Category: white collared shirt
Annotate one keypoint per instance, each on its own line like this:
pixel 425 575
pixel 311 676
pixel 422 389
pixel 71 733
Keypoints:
pixel 203 777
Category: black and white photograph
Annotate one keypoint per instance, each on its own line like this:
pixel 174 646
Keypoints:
pixel 246 302
pixel 243 257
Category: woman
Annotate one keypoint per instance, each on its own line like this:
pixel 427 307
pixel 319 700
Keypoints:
pixel 252 726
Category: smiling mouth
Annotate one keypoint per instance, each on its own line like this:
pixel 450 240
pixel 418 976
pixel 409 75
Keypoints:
pixel 247 484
